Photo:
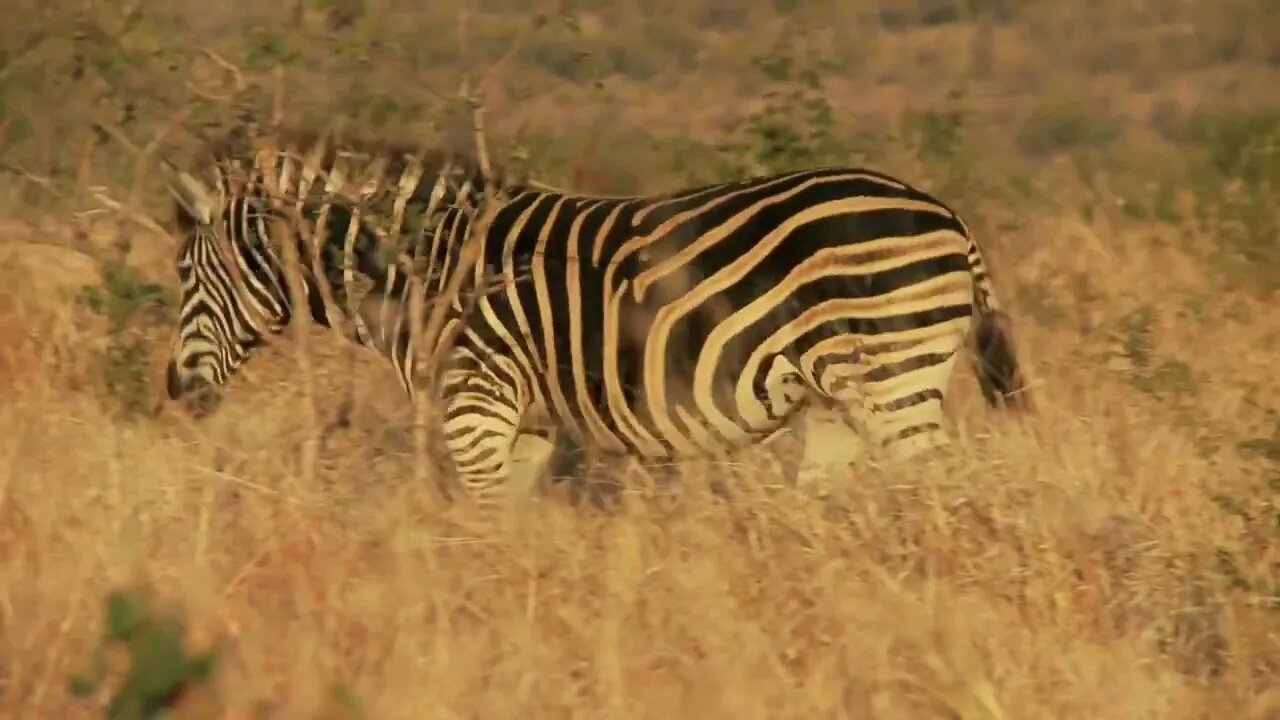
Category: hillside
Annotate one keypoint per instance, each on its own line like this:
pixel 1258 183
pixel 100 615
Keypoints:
pixel 1115 556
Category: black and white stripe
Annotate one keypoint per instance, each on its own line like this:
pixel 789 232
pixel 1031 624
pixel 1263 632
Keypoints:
pixel 676 325
pixel 357 201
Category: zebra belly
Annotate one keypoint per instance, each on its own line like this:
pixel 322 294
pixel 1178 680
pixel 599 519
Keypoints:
pixel 683 428
pixel 622 429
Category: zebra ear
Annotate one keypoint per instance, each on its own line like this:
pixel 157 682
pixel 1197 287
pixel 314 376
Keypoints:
pixel 192 195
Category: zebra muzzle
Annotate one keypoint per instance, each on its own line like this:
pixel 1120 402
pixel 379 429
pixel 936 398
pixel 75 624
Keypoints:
pixel 197 395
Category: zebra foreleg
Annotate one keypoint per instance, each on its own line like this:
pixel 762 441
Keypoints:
pixel 481 424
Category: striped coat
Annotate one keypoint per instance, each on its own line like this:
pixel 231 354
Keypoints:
pixel 675 325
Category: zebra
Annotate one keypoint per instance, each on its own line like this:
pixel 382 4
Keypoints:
pixel 664 326
pixel 233 288
pixel 232 274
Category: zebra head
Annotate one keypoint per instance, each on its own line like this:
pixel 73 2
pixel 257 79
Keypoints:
pixel 233 288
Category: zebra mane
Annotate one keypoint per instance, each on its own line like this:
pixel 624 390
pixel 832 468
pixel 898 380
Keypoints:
pixel 372 173
pixel 368 160
pixel 372 169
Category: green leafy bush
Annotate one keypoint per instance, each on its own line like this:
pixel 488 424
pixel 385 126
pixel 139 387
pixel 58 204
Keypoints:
pixel 131 307
pixel 160 668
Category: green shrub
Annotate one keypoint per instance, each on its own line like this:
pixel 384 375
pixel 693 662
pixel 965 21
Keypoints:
pixel 131 308
pixel 796 126
pixel 160 669
pixel 1235 173
pixel 1066 127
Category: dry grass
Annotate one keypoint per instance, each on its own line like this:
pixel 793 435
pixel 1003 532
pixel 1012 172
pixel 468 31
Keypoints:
pixel 1073 566
pixel 1055 570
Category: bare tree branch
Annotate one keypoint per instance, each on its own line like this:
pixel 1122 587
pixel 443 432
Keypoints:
pixel 237 80
pixel 123 211
pixel 536 23
pixel 277 106
pixel 474 97
pixel 25 55
pixel 237 75
pixel 39 181
pixel 283 226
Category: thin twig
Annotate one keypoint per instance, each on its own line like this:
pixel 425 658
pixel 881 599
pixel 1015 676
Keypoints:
pixel 84 173
pixel 435 338
pixel 38 180
pixel 536 23
pixel 237 75
pixel 286 230
pixel 422 405
pixel 142 157
pixel 474 96
pixel 277 106
pixel 129 209
pixel 116 134
pixel 237 80
pixel 283 234
pixel 99 194
pixel 249 484
pixel 26 54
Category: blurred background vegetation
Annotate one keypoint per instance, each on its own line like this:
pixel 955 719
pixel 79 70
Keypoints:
pixel 1008 110
pixel 1157 110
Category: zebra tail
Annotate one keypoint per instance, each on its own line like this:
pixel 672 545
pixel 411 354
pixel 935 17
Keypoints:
pixel 999 373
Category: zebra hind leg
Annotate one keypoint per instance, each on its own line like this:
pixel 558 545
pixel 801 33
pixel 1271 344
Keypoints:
pixel 537 455
pixel 567 466
pixel 833 440
pixel 905 398
pixel 892 399
pixel 588 477
pixel 837 425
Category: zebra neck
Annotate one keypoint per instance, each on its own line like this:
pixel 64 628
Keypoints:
pixel 374 256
